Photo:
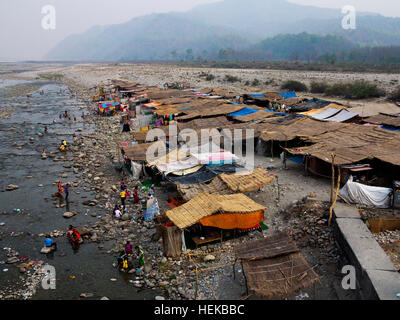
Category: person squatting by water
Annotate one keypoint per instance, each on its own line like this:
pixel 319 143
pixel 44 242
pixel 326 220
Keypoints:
pixel 49 243
pixel 74 236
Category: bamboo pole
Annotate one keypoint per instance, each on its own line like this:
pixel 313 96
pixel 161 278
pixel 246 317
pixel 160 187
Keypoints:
pixel 334 203
pixel 197 284
pixel 333 176
pixel 214 268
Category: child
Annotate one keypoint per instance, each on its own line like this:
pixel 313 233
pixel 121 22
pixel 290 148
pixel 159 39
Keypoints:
pixel 49 243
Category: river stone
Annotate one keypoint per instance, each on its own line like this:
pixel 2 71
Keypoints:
pixel 83 231
pixel 12 260
pixel 68 215
pixel 46 250
pixel 209 257
pixel 12 187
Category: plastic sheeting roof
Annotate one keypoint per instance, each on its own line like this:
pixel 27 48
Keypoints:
pixel 243 112
pixel 342 116
pixel 287 95
pixel 326 114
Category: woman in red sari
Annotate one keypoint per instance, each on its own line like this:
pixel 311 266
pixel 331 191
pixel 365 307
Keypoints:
pixel 136 195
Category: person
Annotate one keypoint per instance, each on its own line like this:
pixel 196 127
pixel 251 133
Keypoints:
pixel 123 185
pixel 60 116
pixel 66 191
pixel 74 117
pixel 115 209
pixel 124 210
pixel 283 159
pixel 123 197
pixel 123 261
pixel 75 139
pixel 49 243
pixel 74 235
pixel 117 213
pixel 136 195
pixel 126 127
pixel 60 189
pixel 83 115
pixel 140 255
pixel 151 191
pixel 45 129
pixel 44 155
pixel 128 248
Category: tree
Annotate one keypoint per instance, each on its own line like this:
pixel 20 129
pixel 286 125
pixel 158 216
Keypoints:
pixel 174 55
pixel 189 55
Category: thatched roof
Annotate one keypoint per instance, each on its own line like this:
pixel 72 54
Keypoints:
pixel 217 122
pixel 139 151
pixel 219 110
pixel 383 119
pixel 291 129
pixel 206 204
pixel 353 143
pixel 215 186
pixel 273 266
pixel 248 181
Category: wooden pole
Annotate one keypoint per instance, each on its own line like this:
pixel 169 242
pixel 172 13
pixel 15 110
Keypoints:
pixel 279 192
pixel 272 149
pixel 333 176
pixel 334 202
pixel 197 284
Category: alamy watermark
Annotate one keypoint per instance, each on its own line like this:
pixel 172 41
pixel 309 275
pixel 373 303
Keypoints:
pixel 349 280
pixel 349 19
pixel 49 280
pixel 49 17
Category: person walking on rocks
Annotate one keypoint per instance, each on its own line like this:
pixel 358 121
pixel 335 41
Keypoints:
pixel 140 255
pixel 128 248
pixel 66 190
pixel 60 189
pixel 136 195
pixel 123 196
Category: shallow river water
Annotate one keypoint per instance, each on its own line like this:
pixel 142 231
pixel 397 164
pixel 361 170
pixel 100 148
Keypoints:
pixel 90 265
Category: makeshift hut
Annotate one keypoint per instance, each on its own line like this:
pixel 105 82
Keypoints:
pixel 226 212
pixel 274 266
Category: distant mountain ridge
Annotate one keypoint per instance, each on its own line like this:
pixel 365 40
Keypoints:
pixel 230 24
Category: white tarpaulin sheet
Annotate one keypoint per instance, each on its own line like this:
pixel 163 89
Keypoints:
pixel 136 170
pixel 365 195
pixel 183 164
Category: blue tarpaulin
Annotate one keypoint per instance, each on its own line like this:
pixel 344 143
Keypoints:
pixel 390 128
pixel 257 95
pixel 287 95
pixel 243 112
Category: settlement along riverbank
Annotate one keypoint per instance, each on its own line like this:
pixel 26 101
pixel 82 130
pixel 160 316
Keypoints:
pixel 89 167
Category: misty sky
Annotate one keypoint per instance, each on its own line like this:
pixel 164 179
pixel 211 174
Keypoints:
pixel 22 37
